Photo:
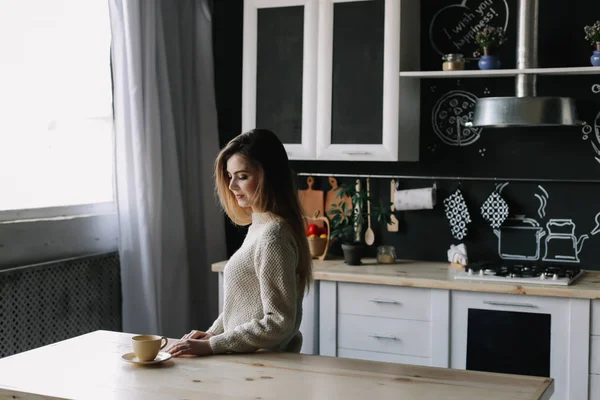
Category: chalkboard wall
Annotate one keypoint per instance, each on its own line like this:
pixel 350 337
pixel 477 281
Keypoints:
pixel 537 153
pixel 557 152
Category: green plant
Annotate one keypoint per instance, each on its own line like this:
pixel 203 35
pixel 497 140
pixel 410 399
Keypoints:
pixel 489 37
pixel 343 219
pixel 592 33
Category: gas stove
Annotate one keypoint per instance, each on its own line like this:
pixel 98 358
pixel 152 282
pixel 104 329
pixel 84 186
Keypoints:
pixel 521 273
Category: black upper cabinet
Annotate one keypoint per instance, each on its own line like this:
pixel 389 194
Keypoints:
pixel 324 76
pixel 279 71
pixel 279 79
pixel 357 76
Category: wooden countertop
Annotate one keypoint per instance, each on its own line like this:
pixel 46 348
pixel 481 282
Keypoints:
pixel 90 367
pixel 438 275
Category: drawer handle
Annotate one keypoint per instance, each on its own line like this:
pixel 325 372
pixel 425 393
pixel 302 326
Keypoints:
pixel 356 153
pixel 503 303
pixel 384 337
pixel 382 301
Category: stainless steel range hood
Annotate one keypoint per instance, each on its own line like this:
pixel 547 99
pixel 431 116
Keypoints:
pixel 526 109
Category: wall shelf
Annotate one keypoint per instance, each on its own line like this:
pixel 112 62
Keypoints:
pixel 501 72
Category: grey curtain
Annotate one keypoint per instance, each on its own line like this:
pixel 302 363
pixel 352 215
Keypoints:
pixel 166 141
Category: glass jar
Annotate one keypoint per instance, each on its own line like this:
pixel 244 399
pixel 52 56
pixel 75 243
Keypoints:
pixel 386 254
pixel 453 62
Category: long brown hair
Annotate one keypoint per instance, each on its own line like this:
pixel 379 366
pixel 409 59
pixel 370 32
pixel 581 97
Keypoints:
pixel 276 191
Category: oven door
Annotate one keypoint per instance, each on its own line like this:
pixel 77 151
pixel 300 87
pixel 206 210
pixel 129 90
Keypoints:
pixel 525 335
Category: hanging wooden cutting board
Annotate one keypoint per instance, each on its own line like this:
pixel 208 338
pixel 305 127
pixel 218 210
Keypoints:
pixel 312 201
pixel 393 227
pixel 331 197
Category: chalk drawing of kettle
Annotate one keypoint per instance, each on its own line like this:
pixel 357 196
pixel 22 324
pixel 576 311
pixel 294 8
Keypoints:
pixel 597 228
pixel 561 243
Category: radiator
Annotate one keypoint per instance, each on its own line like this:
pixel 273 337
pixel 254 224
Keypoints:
pixel 45 303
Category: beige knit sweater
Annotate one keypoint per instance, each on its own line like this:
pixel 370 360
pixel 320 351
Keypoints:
pixel 262 307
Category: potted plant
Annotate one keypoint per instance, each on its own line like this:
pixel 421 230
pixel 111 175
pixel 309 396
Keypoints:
pixel 489 39
pixel 592 35
pixel 345 220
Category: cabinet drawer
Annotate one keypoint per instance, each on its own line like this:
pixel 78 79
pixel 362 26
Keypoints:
pixel 396 336
pixel 594 354
pixel 383 357
pixel 384 301
pixel 595 322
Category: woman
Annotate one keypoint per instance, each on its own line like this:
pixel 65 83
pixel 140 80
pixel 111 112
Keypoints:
pixel 265 280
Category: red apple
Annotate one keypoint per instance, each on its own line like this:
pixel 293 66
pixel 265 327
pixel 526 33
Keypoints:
pixel 313 230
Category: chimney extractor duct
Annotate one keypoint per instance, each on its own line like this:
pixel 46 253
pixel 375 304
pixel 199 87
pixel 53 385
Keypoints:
pixel 525 109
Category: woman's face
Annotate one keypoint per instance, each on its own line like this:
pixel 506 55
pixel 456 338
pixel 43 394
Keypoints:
pixel 243 180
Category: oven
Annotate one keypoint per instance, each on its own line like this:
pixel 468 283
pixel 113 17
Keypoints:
pixel 525 335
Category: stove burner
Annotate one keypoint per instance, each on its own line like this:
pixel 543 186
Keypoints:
pixel 551 271
pixel 523 271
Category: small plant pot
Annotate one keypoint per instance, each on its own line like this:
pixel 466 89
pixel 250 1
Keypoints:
pixel 352 253
pixel 595 58
pixel 489 59
pixel 489 62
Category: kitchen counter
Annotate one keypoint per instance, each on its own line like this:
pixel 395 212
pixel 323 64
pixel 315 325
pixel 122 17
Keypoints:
pixel 439 275
pixel 90 366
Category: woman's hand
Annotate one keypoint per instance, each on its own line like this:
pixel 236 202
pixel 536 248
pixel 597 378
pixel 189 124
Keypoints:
pixel 196 347
pixel 197 335
pixel 188 344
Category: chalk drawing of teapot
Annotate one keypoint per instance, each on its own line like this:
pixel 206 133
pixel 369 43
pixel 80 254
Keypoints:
pixel 561 243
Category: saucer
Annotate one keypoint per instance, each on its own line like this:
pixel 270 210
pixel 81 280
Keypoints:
pixel 131 357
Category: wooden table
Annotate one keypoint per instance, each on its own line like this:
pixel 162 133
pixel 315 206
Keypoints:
pixel 90 367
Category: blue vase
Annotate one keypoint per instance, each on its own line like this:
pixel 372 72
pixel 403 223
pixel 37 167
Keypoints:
pixel 489 62
pixel 595 58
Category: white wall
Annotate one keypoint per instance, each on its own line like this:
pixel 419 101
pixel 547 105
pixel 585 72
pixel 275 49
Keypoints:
pixel 24 243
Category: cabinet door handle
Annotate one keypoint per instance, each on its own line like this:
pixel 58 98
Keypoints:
pixel 382 301
pixel 503 303
pixel 357 153
pixel 384 337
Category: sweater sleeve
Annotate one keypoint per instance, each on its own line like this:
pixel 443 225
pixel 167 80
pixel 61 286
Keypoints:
pixel 275 263
pixel 217 326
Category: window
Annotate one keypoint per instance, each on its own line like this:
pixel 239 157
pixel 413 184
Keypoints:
pixel 56 133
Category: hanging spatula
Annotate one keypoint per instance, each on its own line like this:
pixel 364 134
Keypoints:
pixel 369 234
pixel 393 227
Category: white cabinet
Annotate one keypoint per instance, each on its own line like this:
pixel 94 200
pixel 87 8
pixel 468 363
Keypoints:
pixel 310 320
pixel 324 76
pixel 564 331
pixel 594 387
pixel 360 115
pixel 384 301
pixel 384 323
pixel 279 72
pixel 385 335
pixel 595 351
